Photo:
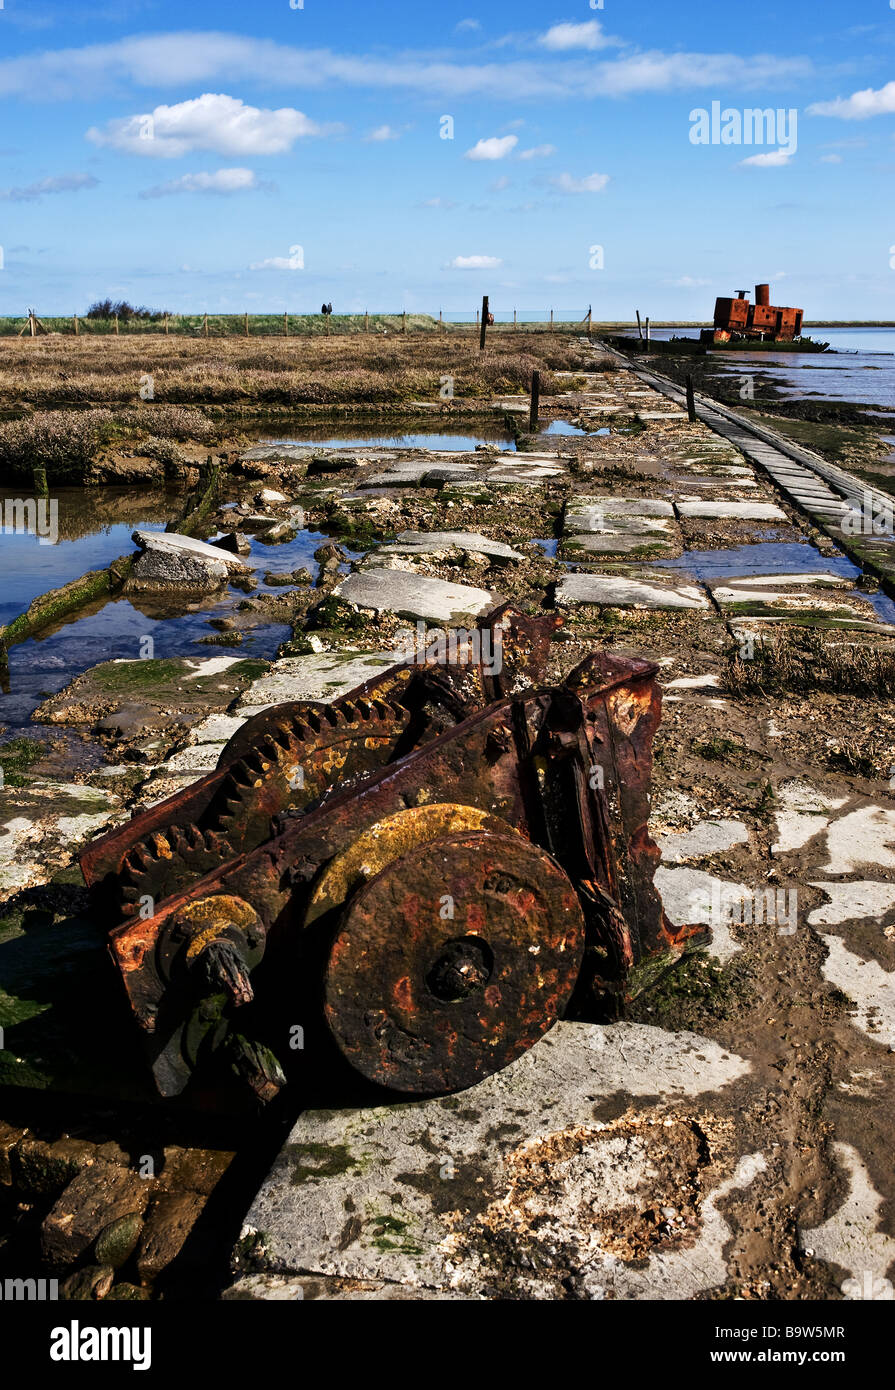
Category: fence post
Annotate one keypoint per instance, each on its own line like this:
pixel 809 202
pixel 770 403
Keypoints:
pixel 691 402
pixel 166 325
pixel 205 325
pixel 484 323
pixel 535 402
pixel 404 321
pixel 515 322
pixel 285 324
pixel 31 324
pixel 551 320
pixel 75 324
pixel 246 319
pixel 116 325
pixel 366 320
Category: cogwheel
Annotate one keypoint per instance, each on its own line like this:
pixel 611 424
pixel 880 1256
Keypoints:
pixel 166 862
pixel 294 763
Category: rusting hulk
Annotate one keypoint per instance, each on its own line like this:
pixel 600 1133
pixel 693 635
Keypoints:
pixel 416 880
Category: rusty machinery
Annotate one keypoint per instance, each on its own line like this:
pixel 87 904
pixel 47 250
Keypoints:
pixel 418 878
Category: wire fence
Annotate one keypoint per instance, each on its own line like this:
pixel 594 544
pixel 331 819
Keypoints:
pixel 288 325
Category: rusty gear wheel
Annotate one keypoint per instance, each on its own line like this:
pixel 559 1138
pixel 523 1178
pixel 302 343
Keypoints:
pixel 298 759
pixel 453 961
pixel 167 861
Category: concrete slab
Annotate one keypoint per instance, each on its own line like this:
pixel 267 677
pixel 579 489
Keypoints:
pixel 409 1193
pixel 617 542
pixel 590 512
pixel 414 596
pixel 318 676
pixel 435 542
pixel 852 902
pixel 43 824
pixel 610 591
pixel 707 838
pixel 851 1239
pixel 731 511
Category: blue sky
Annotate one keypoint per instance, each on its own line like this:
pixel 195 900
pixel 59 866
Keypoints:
pixel 178 155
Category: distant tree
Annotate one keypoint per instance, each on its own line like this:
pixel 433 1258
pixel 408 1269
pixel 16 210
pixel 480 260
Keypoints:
pixel 109 309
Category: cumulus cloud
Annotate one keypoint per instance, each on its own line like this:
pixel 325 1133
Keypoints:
pixel 381 134
pixel 221 181
pixel 591 183
pixel 538 152
pixel 475 263
pixel 61 183
pixel 222 124
pixel 774 159
pixel 859 106
pixel 498 147
pixel 589 35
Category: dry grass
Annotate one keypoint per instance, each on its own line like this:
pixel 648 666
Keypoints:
pixel 802 660
pixel 364 368
pixel 65 442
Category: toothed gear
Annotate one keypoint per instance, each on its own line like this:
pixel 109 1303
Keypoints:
pixel 167 861
pixel 295 762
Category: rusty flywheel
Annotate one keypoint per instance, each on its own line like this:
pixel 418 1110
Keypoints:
pixel 453 961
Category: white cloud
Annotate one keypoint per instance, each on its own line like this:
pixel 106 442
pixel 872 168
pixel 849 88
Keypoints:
pixel 221 181
pixel 498 147
pixel 184 59
pixel 591 183
pixel 500 184
pixel 475 263
pixel 294 261
pixel 774 159
pixel 467 26
pixel 831 159
pixel 439 203
pixel 859 106
pixel 565 36
pixel 689 282
pixel 222 124
pixel 61 183
pixel 382 133
pixel 538 152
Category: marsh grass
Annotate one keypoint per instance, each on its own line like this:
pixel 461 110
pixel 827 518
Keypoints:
pixel 65 443
pixel 365 368
pixel 809 659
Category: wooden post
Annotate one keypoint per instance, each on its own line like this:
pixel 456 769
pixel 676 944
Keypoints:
pixel 285 324
pixel 404 321
pixel 515 321
pixel 639 328
pixel 246 319
pixel 484 323
pixel 647 335
pixel 116 325
pixel 551 320
pixel 31 323
pixel 691 402
pixel 366 320
pixel 166 325
pixel 590 317
pixel 205 325
pixel 535 402
pixel 441 317
pixel 76 325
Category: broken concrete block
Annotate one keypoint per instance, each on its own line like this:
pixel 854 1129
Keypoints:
pixel 96 1197
pixel 610 591
pixel 414 596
